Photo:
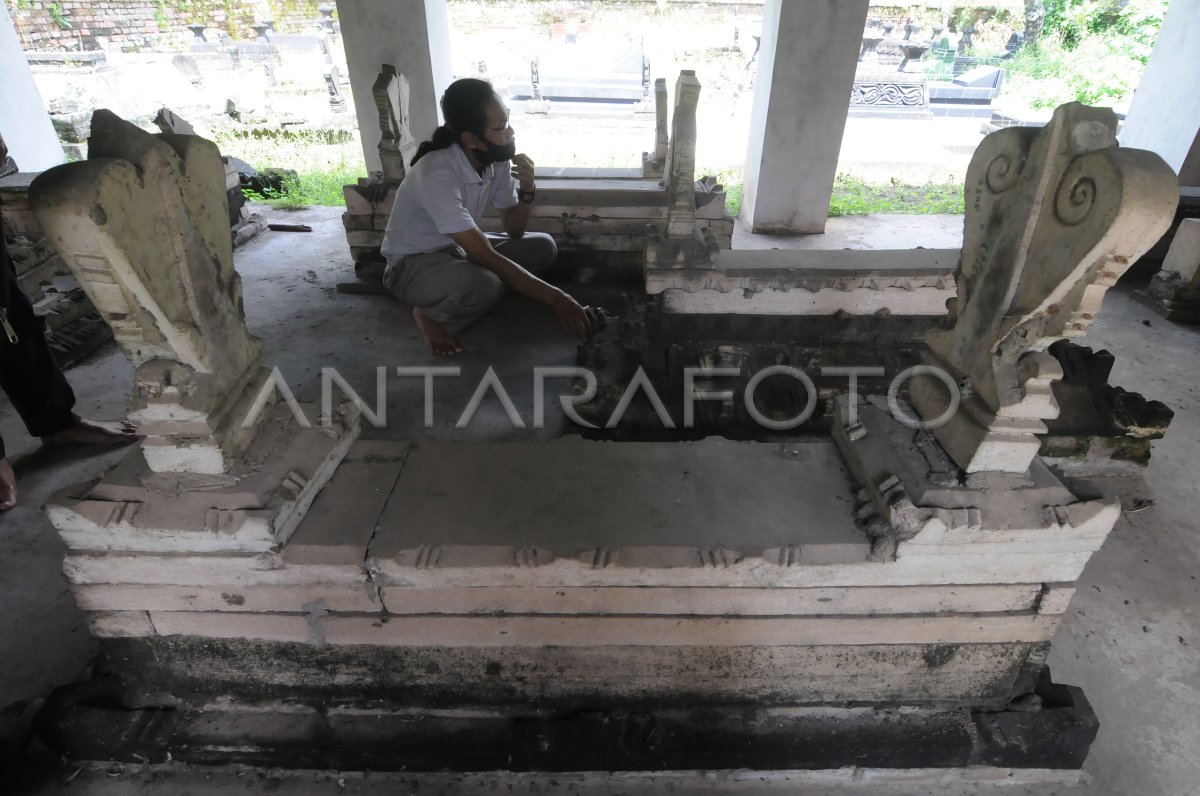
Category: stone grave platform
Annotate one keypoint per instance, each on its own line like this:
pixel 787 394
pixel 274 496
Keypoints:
pixel 544 603
pixel 676 563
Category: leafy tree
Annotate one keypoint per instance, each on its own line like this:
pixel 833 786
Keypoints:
pixel 1035 15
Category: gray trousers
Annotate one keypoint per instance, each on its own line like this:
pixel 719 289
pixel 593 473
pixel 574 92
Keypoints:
pixel 454 291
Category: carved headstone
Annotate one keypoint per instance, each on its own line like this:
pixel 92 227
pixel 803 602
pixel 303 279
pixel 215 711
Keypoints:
pixel 537 102
pixel 396 143
pixel 681 158
pixel 653 162
pixel 1054 216
pixel 332 81
pixel 682 243
pixel 144 226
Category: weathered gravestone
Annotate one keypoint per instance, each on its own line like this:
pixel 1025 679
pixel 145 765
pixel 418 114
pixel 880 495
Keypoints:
pixel 1054 217
pixel 144 226
pixel 396 142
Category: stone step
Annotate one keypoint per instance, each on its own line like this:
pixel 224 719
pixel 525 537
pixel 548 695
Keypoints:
pixel 567 601
pixel 450 632
pixel 950 746
pixel 974 674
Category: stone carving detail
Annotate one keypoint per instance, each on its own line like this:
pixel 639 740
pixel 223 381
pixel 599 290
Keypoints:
pixel 883 94
pixel 683 243
pixel 1101 428
pixel 396 142
pixel 332 83
pixel 653 162
pixel 143 224
pixel 681 159
pixel 1054 217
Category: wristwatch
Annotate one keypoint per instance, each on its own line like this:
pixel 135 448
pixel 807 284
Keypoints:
pixel 526 196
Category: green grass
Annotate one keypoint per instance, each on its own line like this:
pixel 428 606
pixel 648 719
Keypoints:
pixel 323 160
pixel 855 197
pixel 321 187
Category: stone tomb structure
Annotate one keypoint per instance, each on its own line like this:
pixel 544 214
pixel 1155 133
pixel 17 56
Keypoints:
pixel 597 215
pixel 1054 218
pixel 884 600
pixel 143 225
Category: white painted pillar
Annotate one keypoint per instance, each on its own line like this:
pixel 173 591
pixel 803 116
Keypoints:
pixel 1165 114
pixel 412 34
pixel 24 121
pixel 1189 173
pixel 806 69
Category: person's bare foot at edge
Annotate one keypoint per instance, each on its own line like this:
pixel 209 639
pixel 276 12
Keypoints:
pixel 94 432
pixel 8 486
pixel 440 341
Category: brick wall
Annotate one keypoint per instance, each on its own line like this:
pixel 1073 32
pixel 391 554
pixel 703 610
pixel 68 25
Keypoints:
pixel 66 24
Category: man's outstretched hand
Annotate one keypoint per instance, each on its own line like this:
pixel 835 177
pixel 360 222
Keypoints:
pixel 8 486
pixel 572 317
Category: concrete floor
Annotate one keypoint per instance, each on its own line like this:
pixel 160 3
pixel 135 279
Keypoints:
pixel 1128 639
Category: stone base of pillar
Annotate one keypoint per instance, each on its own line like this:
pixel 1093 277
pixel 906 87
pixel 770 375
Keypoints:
pixel 977 437
pixel 1172 296
pixel 252 508
pixel 1174 292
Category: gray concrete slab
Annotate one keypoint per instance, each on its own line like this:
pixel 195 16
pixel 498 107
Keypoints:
pixel 883 231
pixel 342 520
pixel 801 263
pixel 583 494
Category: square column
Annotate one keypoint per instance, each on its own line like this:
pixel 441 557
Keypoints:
pixel 1189 172
pixel 805 77
pixel 413 35
pixel 24 122
pixel 1164 116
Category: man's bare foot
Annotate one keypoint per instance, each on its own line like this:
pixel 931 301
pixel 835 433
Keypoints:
pixel 8 486
pixel 94 432
pixel 440 341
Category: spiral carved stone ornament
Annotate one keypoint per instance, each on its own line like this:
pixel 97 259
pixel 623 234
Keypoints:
pixel 1040 247
pixel 1075 196
pixel 1003 172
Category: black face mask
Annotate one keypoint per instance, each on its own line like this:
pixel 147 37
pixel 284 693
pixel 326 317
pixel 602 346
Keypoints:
pixel 495 153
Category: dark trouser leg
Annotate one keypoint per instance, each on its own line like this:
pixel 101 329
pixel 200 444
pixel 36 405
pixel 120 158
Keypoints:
pixel 447 288
pixel 28 373
pixel 534 251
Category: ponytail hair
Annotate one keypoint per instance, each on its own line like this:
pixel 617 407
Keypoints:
pixel 464 107
pixel 442 139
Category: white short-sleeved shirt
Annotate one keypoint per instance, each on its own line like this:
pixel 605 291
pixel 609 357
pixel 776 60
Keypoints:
pixel 443 194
